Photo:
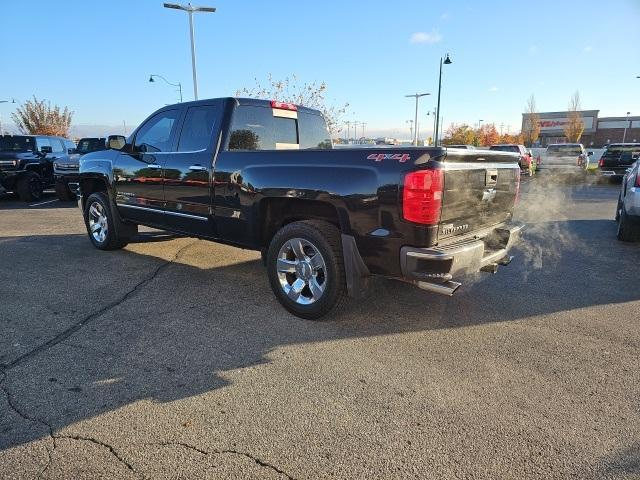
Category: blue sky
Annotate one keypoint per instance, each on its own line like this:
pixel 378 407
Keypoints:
pixel 96 57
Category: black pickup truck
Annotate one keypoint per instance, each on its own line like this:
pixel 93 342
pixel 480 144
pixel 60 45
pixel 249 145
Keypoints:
pixel 261 175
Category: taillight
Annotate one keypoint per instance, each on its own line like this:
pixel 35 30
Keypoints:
pixel 638 178
pixel 517 186
pixel 422 196
pixel 601 162
pixel 283 105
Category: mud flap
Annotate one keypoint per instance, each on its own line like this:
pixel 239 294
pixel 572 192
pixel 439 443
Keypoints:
pixel 356 272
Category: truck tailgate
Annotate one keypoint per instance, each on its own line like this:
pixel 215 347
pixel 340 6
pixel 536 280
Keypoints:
pixel 480 189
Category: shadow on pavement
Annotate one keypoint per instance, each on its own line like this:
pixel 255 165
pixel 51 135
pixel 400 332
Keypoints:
pixel 174 334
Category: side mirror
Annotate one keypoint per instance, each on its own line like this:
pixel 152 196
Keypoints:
pixel 116 142
pixel 590 154
pixel 45 149
pixel 71 151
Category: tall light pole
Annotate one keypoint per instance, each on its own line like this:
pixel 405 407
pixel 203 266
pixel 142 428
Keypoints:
pixel 355 131
pixel 479 123
pixel 624 135
pixel 190 9
pixel 447 61
pixel 363 124
pixel 415 131
pixel 179 85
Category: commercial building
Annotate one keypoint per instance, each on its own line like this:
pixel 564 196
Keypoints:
pixel 598 131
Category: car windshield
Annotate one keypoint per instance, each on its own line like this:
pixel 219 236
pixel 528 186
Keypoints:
pixel 17 143
pixel 622 152
pixel 564 150
pixel 86 145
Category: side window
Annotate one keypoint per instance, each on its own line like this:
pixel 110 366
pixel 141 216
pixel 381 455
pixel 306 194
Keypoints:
pixel 155 134
pixel 198 128
pixel 313 131
pixel 252 129
pixel 43 144
pixel 56 145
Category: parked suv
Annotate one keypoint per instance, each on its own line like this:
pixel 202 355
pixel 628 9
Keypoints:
pixel 628 210
pixel 26 163
pixel 617 158
pixel 526 162
pixel 66 170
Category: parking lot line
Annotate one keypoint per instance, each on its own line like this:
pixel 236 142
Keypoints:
pixel 43 203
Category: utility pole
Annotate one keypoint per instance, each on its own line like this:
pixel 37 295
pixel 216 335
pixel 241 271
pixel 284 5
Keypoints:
pixel 190 10
pixel 410 122
pixel 415 133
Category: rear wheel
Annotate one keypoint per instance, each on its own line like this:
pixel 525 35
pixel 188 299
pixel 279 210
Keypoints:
pixel 106 230
pixel 628 231
pixel 29 187
pixel 63 192
pixel 306 269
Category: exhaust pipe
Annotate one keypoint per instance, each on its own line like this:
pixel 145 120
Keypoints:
pixel 445 288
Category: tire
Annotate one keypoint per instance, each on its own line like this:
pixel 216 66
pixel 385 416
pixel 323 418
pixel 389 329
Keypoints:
pixel 306 285
pixel 29 187
pixel 64 193
pixel 105 229
pixel 618 208
pixel 627 231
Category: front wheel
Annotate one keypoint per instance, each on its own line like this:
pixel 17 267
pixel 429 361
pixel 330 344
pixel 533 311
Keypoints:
pixel 106 231
pixel 29 187
pixel 306 268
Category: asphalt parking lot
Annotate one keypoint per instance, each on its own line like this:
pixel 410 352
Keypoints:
pixel 172 359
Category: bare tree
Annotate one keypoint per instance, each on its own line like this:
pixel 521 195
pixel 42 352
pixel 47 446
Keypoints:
pixel 38 117
pixel 531 130
pixel 312 95
pixel 575 125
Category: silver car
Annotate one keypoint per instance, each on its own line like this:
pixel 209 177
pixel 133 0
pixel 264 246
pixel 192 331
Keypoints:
pixel 628 210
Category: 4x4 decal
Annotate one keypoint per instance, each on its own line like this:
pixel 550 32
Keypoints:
pixel 378 157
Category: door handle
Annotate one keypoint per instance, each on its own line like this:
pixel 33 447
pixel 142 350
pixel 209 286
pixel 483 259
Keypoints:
pixel 197 168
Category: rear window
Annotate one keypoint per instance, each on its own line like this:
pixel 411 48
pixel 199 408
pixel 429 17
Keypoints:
pixel 505 148
pixel 256 128
pixel 564 149
pixel 17 143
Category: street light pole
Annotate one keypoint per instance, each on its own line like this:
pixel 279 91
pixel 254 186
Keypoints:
pixel 447 61
pixel 190 10
pixel 179 85
pixel 415 121
pixel 624 135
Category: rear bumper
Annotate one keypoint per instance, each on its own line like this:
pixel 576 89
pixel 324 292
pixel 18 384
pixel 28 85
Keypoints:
pixel 612 171
pixel 429 267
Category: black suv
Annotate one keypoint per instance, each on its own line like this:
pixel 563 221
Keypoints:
pixel 26 163
pixel 66 169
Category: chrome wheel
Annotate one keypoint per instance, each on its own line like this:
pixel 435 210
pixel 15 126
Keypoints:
pixel 98 225
pixel 302 271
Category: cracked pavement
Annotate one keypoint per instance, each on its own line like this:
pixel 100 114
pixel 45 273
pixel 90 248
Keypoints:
pixel 172 359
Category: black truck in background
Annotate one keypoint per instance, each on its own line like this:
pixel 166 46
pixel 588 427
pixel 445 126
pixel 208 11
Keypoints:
pixel 262 175
pixel 27 163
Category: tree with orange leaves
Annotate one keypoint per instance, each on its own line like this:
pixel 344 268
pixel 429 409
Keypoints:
pixel 487 135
